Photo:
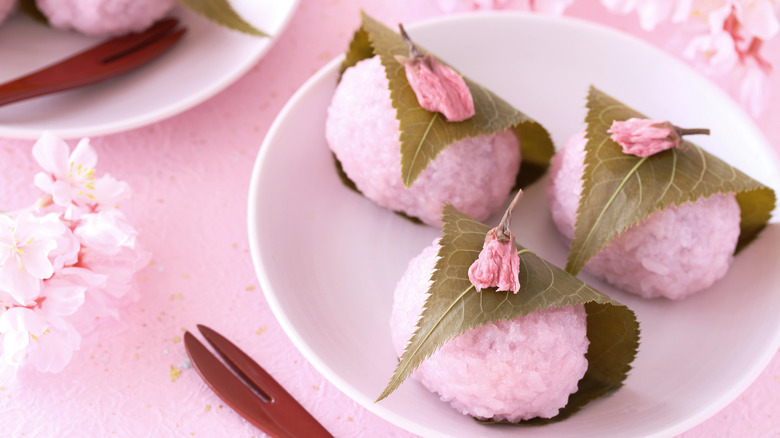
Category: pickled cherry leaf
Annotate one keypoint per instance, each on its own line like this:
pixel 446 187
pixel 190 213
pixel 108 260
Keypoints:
pixel 222 13
pixel 359 49
pixel 425 134
pixel 620 190
pixel 453 307
pixel 30 8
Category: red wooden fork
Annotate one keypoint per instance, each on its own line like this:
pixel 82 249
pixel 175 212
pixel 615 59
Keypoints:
pixel 106 60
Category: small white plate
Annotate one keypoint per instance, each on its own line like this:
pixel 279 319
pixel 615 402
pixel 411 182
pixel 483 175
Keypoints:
pixel 328 259
pixel 203 63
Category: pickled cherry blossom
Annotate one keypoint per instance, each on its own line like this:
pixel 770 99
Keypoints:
pixel 498 264
pixel 645 137
pixel 438 88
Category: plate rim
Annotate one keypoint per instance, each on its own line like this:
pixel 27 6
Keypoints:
pixel 697 417
pixel 171 108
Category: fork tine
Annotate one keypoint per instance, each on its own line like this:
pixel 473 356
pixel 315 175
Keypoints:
pixel 230 388
pixel 282 406
pixel 243 364
pixel 127 61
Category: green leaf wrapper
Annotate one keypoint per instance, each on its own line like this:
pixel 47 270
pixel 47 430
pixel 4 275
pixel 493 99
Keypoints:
pixel 425 134
pixel 620 190
pixel 453 306
pixel 220 12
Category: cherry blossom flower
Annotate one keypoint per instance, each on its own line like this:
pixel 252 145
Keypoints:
pixel 438 88
pixel 753 84
pixel 70 177
pixel 25 245
pixel 498 263
pixel 651 12
pixel 39 334
pixel 645 137
pixel 65 261
pixel 554 7
pixel 106 232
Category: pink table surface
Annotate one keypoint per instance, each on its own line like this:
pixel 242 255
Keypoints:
pixel 190 175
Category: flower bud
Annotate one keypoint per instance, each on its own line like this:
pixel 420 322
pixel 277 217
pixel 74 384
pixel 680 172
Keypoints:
pixel 644 137
pixel 498 264
pixel 438 88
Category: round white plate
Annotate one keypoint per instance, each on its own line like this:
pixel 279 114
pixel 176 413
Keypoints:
pixel 203 63
pixel 328 259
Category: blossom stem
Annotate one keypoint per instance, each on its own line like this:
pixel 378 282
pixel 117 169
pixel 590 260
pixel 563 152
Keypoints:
pixel 691 131
pixel 502 230
pixel 414 52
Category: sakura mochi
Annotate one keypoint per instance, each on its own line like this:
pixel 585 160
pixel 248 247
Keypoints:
pixel 6 6
pixel 104 17
pixel 511 370
pixel 672 253
pixel 475 174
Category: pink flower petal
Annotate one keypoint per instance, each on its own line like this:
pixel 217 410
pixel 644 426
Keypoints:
pixel 498 265
pixel 644 137
pixel 83 157
pixel 439 88
pixel 52 154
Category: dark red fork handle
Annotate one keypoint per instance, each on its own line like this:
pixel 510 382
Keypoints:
pixel 74 75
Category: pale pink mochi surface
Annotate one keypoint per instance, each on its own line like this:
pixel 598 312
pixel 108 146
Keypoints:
pixel 673 253
pixel 475 174
pixel 512 370
pixel 104 17
pixel 6 6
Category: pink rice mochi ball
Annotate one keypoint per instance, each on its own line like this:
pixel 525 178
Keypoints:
pixel 673 253
pixel 6 6
pixel 104 17
pixel 511 370
pixel 475 174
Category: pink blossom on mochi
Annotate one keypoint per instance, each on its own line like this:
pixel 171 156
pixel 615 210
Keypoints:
pixel 644 137
pixel 438 88
pixel 498 265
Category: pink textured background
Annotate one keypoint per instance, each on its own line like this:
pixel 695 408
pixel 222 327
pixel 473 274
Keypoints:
pixel 190 175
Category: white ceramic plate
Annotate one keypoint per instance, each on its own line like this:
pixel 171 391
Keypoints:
pixel 328 260
pixel 207 60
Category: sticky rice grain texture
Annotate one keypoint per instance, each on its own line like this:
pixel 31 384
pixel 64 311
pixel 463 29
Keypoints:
pixel 512 370
pixel 672 253
pixel 104 17
pixel 475 174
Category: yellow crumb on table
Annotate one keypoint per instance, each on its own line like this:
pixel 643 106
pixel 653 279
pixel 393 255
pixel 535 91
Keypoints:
pixel 177 339
pixel 175 373
pixel 261 330
pixel 208 408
